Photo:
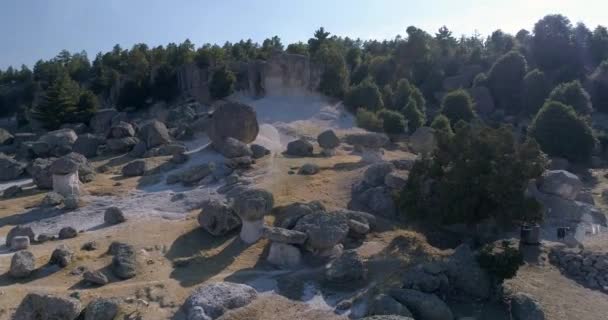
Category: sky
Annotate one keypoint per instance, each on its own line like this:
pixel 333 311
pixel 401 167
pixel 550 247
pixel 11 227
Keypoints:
pixel 39 29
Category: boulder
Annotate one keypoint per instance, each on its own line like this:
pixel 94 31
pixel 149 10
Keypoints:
pixel 585 196
pixel 20 243
pixel 124 262
pixel 379 201
pixel 328 139
pixel 423 306
pixel 95 277
pixel 561 183
pixel 299 148
pixel 258 151
pixel 234 120
pixel 376 173
pixel 121 130
pixel 215 299
pixel 466 277
pixel 87 144
pixel 10 169
pixel 114 215
pixel 66 185
pixel 383 304
pixel 40 170
pixel 253 204
pixel 418 278
pixel 71 202
pixel 557 163
pixel 139 150
pixel 6 138
pixel 39 306
pixel 251 230
pixel 282 235
pixel 232 148
pixel 362 217
pixel 284 255
pixel 59 141
pixel 135 168
pixel 525 307
pixel 217 217
pixel 102 309
pixel 122 145
pixel 324 230
pixel 67 233
pixel 396 180
pixel 63 166
pixel 309 169
pixel 102 120
pixel 52 199
pixel 423 140
pixel 195 173
pixel 348 268
pixel 18 231
pixel 23 264
pixel 61 256
pixel 367 140
pixel 293 212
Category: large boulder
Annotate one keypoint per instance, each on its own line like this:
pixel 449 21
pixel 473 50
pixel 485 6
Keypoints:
pixel 232 148
pixel 423 140
pixel 122 145
pixel 346 269
pixel 328 139
pixel 193 174
pixel 154 134
pixel 215 299
pixel 59 141
pixel 234 120
pixel 61 256
pixel 87 144
pixel 19 231
pixel 324 230
pixel 6 138
pixel 40 171
pixel 121 130
pixel 525 307
pixel 284 255
pixel 423 306
pixel 561 183
pixel 466 277
pixel 10 169
pixel 86 173
pixel 292 213
pixel 63 166
pixel 377 200
pixel 253 204
pixel 23 264
pixel 367 140
pixel 102 309
pixel 39 306
pixel 102 120
pixel 113 215
pixel 124 262
pixel 217 217
pixel 299 148
pixel 376 173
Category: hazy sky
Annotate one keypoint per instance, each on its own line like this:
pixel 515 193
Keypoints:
pixel 34 29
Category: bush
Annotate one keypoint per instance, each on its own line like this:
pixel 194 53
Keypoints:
pixel 502 261
pixel 364 95
pixel 59 104
pixel 442 124
pixel 392 121
pixel 458 105
pixel 535 91
pixel 222 83
pixel 368 120
pixel 505 81
pixel 402 94
pixel 334 79
pixel 86 108
pixel 562 133
pixel 414 117
pixel 572 94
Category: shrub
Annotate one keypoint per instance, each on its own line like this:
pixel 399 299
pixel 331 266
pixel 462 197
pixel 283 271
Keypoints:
pixel 402 94
pixel 442 124
pixel 535 91
pixel 502 261
pixel 413 116
pixel 222 83
pixel 334 79
pixel 572 94
pixel 392 121
pixel 458 105
pixel 364 95
pixel 59 104
pixel 505 81
pixel 562 133
pixel 368 120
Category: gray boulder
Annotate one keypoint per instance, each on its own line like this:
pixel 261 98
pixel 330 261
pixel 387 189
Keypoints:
pixel 40 306
pixel 135 168
pixel 234 120
pixel 20 243
pixel 217 298
pixel 63 166
pixel 465 274
pixel 86 173
pixel 525 307
pixel 284 235
pixel 59 141
pixel 218 218
pixel 124 262
pixel 23 264
pixel 376 173
pixel 114 215
pixel 328 139
pixel 61 256
pixel 423 306
pixel 293 212
pixel 102 120
pixel 6 138
pixel 299 148
pixel 121 130
pixel 18 231
pixel 253 204
pixel 95 277
pixel 561 183
pixel 232 148
pixel 40 171
pixel 378 200
pixel 258 151
pixel 324 230
pixel 165 150
pixel 196 173
pixel 10 169
pixel 138 150
pixel 284 255
pixel 367 140
pixel 309 169
pixel 87 144
pixel 384 304
pixel 396 180
pixel 52 199
pixel 102 309
pixel 67 233
pixel 122 145
pixel 348 268
pixel 423 140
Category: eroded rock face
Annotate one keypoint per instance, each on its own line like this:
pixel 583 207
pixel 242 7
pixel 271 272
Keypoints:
pixel 215 299
pixel 38 306
pixel 324 230
pixel 218 218
pixel 233 120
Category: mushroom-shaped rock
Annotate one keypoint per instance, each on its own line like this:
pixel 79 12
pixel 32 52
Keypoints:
pixel 234 120
pixel 251 206
pixel 376 173
pixel 324 230
pixel 215 299
pixel 23 264
pixel 217 217
pixel 328 139
pixel 64 165
pixel 299 148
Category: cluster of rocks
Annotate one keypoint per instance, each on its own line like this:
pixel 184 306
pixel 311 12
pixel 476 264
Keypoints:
pixel 327 140
pixel 586 267
pixel 375 192
pixel 47 306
